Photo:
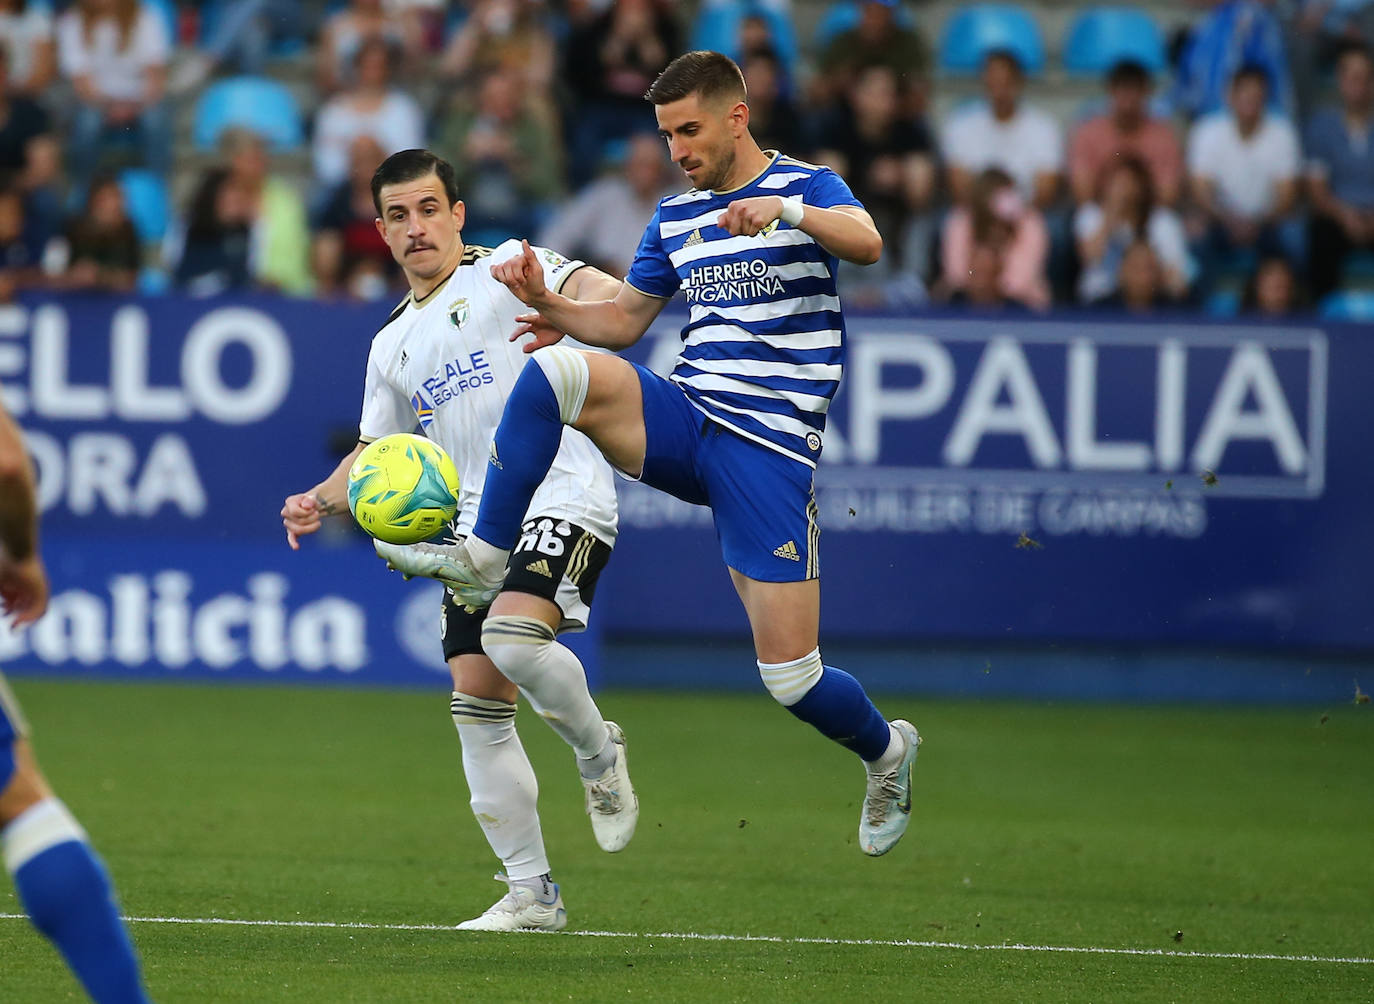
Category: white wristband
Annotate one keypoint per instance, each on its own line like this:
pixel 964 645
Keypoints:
pixel 792 212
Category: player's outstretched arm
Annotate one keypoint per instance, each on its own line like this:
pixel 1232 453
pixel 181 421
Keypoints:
pixel 615 323
pixel 303 512
pixel 847 232
pixel 23 581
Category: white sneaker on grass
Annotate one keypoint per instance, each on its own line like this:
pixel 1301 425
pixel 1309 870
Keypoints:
pixel 611 800
pixel 887 803
pixel 520 910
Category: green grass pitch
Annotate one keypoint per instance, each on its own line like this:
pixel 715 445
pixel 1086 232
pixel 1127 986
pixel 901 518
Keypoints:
pixel 1221 836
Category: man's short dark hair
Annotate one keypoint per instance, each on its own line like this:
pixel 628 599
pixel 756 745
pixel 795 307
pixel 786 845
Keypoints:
pixel 410 165
pixel 1250 71
pixel 1006 56
pixel 1128 73
pixel 1354 48
pixel 706 74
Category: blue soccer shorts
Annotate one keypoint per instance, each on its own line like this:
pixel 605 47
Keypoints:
pixel 763 503
pixel 12 728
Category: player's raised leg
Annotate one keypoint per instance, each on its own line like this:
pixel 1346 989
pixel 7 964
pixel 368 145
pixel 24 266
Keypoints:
pixel 61 881
pixel 785 619
pixel 595 393
pixel 504 795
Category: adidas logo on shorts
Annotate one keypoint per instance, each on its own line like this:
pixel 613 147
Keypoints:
pixel 788 551
pixel 540 567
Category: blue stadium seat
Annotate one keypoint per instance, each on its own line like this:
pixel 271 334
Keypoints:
pixel 167 11
pixel 257 103
pixel 149 207
pixel 717 27
pixel 1101 37
pixel 1348 306
pixel 974 32
pixel 840 17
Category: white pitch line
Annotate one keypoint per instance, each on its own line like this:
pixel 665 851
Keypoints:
pixel 765 938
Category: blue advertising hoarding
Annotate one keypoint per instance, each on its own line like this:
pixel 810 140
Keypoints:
pixel 1013 480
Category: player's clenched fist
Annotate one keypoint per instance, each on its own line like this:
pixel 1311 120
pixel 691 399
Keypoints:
pixel 300 515
pixel 746 217
pixel 522 275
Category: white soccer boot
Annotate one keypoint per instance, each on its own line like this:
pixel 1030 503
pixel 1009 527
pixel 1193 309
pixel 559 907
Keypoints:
pixel 887 803
pixel 520 910
pixel 448 563
pixel 611 800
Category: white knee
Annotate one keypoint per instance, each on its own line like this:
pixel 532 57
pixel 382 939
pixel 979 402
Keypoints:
pixel 789 682
pixel 568 375
pixel 518 646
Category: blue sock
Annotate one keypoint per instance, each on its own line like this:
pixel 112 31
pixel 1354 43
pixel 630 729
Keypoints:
pixel 526 443
pixel 68 896
pixel 838 707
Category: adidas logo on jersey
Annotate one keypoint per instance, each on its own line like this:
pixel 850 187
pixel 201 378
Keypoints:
pixel 788 551
pixel 540 567
pixel 693 239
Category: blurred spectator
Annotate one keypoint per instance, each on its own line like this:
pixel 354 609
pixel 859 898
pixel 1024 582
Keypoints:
pixel 1140 282
pixel 1273 291
pixel 214 254
pixel 739 27
pixel 30 158
pixel 877 40
pixel 1021 140
pixel 887 159
pixel 1125 213
pixel 349 255
pixel 279 247
pixel 502 35
pixel 115 54
pixel 20 260
pixel 22 120
pixel 346 31
pixel 372 107
pixel 1243 167
pixel 508 161
pixel 26 35
pixel 603 223
pixel 1317 31
pixel 242 35
pixel 610 61
pixel 994 249
pixel 1126 129
pixel 773 119
pixel 1236 34
pixel 1340 172
pixel 103 252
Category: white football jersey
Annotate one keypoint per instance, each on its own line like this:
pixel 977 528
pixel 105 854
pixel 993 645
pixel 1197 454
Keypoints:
pixel 447 364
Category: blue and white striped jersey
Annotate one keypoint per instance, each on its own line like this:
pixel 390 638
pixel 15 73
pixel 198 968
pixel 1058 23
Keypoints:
pixel 763 349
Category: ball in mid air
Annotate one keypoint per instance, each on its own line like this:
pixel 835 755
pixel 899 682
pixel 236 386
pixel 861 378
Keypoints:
pixel 403 488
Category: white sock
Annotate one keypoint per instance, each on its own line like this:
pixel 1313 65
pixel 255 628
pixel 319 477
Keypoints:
pixel 502 783
pixel 488 562
pixel 892 756
pixel 550 676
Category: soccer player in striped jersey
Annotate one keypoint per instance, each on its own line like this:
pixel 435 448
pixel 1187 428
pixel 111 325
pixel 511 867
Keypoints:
pixel 444 361
pixel 738 426
pixel 61 882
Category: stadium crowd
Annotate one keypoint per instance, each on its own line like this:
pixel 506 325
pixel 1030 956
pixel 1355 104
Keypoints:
pixel 1236 176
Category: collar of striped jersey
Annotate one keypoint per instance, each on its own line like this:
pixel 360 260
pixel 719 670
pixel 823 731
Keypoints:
pixel 773 156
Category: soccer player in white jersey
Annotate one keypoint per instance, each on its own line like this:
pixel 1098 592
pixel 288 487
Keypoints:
pixel 444 361
pixel 738 426
pixel 59 878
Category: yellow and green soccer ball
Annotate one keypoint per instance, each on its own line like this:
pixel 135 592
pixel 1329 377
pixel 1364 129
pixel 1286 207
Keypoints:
pixel 403 488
